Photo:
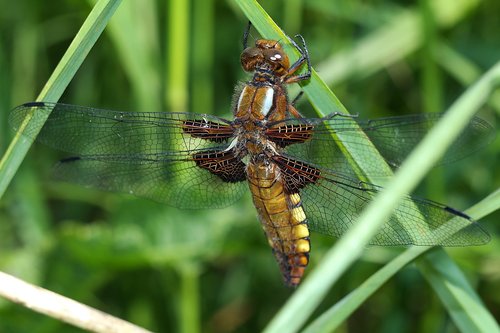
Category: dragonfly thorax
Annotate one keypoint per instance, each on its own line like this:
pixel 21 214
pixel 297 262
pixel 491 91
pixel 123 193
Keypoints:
pixel 255 103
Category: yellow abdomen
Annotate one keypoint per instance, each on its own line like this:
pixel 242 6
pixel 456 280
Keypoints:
pixel 283 220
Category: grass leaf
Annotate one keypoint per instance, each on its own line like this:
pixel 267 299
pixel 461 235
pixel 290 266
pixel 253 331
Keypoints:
pixel 463 304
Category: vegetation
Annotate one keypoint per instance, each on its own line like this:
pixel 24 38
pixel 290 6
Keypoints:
pixel 212 271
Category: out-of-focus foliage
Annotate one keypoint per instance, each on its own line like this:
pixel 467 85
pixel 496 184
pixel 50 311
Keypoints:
pixel 145 262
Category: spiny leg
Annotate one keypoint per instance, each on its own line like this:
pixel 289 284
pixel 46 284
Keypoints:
pixel 304 57
pixel 292 109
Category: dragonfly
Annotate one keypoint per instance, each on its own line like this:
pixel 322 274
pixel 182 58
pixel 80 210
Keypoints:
pixel 298 176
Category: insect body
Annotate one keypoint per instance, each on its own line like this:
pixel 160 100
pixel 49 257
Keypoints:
pixel 298 177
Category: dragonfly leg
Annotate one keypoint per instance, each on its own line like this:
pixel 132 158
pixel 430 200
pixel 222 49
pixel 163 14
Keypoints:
pixel 304 58
pixel 296 99
pixel 339 114
pixel 294 112
pixel 246 34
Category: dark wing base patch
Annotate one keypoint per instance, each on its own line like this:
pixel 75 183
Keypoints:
pixel 222 164
pixel 289 134
pixel 209 130
pixel 296 174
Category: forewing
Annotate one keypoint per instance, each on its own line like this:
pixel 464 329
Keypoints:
pixel 150 155
pixel 394 138
pixel 88 131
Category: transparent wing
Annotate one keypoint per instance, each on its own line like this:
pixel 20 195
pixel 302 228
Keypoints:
pixel 394 137
pixel 87 131
pixel 145 154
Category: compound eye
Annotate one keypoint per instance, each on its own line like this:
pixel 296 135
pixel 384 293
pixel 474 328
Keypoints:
pixel 250 57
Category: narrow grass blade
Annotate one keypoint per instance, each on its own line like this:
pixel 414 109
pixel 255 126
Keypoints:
pixel 462 69
pixel 202 92
pixel 177 72
pixel 57 83
pixel 136 40
pixel 463 304
pixel 189 320
pixel 337 314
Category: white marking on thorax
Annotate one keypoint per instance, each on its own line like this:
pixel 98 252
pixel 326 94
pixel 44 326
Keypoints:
pixel 243 92
pixel 268 101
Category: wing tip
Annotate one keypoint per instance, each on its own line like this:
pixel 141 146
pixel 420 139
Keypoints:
pixel 457 213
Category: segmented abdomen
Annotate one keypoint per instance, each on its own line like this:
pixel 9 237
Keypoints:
pixel 283 220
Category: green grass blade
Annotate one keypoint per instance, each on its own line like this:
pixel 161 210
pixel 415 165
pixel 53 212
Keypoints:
pixel 178 42
pixel 189 320
pixel 78 50
pixel 57 83
pixel 463 304
pixel 462 69
pixel 202 92
pixel 136 40
pixel 486 207
pixel 337 314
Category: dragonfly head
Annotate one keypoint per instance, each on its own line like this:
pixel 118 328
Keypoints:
pixel 265 55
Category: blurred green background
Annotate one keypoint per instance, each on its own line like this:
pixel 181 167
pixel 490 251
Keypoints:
pixel 212 271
